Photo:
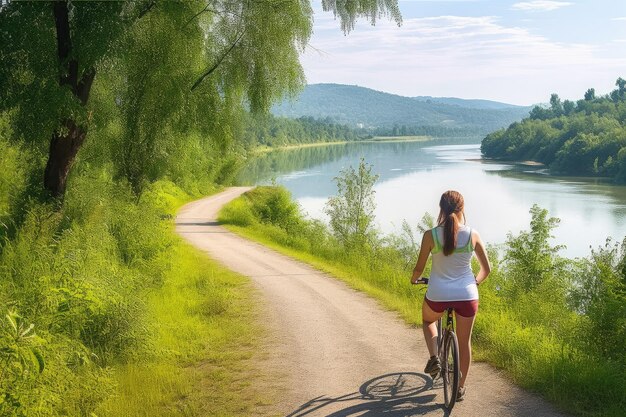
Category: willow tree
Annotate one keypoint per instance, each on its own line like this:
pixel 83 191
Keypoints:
pixel 208 56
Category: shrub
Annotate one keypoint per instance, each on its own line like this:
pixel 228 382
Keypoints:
pixel 351 211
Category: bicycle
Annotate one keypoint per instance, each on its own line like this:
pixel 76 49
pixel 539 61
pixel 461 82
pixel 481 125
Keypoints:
pixel 448 352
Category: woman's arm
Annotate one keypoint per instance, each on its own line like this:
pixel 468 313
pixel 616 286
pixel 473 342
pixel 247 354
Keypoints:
pixel 481 254
pixel 427 246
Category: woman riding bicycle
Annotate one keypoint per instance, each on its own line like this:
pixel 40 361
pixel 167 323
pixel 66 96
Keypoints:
pixel 452 283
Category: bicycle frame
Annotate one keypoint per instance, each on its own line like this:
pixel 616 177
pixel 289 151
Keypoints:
pixel 442 330
pixel 447 344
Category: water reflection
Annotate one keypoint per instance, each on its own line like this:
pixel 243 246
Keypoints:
pixel 414 174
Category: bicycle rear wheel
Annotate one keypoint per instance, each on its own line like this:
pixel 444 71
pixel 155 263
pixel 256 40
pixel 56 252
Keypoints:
pixel 450 369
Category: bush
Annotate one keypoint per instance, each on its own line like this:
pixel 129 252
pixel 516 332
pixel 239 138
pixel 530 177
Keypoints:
pixel 351 211
pixel 78 273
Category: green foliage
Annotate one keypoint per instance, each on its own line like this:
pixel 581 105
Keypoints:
pixel 114 299
pixel 81 273
pixel 530 258
pixel 372 9
pixel 163 89
pixel 20 359
pixel 151 94
pixel 160 70
pixel 274 206
pixel 14 180
pixel 29 74
pixel 582 138
pixel 351 211
pixel 601 297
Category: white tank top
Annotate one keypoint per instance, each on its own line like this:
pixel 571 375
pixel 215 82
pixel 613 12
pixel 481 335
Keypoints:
pixel 451 277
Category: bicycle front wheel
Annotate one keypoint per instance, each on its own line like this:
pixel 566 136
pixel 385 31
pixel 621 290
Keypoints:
pixel 450 369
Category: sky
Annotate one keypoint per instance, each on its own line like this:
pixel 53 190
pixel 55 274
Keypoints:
pixel 517 52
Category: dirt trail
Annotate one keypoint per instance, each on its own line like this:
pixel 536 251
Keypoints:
pixel 336 351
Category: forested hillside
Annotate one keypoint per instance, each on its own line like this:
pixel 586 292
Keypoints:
pixel 586 137
pixel 388 114
pixel 112 114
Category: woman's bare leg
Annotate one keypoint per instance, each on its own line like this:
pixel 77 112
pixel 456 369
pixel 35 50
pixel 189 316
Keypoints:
pixel 464 327
pixel 429 325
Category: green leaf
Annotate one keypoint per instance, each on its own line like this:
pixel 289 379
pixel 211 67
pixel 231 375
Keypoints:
pixel 11 317
pixel 40 360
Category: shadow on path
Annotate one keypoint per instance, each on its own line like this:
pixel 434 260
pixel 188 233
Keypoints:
pixel 186 222
pixel 399 394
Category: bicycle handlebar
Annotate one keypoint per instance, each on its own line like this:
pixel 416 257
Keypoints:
pixel 422 280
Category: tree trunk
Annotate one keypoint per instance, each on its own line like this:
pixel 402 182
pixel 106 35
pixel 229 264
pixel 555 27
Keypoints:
pixel 63 149
pixel 67 140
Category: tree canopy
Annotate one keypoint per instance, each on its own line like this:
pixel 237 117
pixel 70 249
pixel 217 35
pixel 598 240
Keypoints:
pixel 154 67
pixel 583 138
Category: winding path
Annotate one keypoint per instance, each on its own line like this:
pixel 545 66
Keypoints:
pixel 334 351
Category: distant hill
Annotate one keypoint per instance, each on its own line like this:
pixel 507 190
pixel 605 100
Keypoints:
pixel 381 112
pixel 470 103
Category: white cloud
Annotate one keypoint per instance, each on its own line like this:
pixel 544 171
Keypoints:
pixel 457 56
pixel 619 18
pixel 540 5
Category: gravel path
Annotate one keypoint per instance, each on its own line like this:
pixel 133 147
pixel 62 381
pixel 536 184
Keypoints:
pixel 334 351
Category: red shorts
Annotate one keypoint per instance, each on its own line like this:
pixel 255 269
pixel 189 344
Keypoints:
pixel 466 308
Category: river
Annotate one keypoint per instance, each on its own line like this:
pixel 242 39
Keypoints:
pixel 413 175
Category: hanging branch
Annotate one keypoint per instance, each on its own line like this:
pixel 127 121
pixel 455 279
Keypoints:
pixel 206 8
pixel 218 62
pixel 147 9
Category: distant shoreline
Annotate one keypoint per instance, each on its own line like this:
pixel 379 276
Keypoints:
pixel 524 163
pixel 376 139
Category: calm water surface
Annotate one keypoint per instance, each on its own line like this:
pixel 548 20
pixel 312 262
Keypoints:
pixel 413 175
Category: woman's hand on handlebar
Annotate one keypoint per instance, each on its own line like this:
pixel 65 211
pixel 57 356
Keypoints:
pixel 418 280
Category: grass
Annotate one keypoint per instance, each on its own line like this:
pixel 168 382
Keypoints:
pixel 205 338
pixel 125 318
pixel 203 349
pixel 128 319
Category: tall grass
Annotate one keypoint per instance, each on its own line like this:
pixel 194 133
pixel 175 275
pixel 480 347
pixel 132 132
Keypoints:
pixel 105 311
pixel 201 348
pixel 537 319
